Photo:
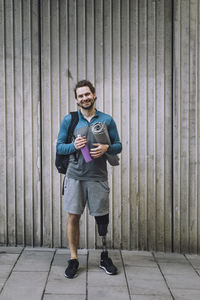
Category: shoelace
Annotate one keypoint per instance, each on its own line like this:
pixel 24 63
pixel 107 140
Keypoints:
pixel 108 261
pixel 73 265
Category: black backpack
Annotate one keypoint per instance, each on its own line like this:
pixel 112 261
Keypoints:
pixel 62 160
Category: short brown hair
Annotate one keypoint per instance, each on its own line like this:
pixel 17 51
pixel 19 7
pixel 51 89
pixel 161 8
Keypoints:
pixel 84 83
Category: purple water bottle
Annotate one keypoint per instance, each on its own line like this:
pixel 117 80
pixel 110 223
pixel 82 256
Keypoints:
pixel 86 153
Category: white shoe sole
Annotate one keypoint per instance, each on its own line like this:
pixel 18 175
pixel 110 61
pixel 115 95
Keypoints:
pixel 109 273
pixel 71 277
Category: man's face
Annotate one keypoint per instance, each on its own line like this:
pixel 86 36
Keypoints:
pixel 85 98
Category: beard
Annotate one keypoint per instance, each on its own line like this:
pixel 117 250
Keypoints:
pixel 89 106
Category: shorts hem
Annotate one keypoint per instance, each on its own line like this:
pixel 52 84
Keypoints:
pixel 99 214
pixel 72 212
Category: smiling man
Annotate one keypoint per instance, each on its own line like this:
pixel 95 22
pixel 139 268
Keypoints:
pixel 87 181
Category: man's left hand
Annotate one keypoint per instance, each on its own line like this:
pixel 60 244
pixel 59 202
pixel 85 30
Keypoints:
pixel 99 150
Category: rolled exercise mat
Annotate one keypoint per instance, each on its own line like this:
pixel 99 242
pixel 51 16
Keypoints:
pixel 100 132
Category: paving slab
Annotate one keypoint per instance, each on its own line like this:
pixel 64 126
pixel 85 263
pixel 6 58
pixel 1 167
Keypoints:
pixel 11 250
pixel 186 294
pixel 39 249
pixel 135 258
pixel 176 268
pixel 8 259
pixel 58 284
pixel 148 287
pixel 64 297
pixel 110 293
pixel 100 278
pixel 183 281
pixel 34 261
pixel 150 297
pixel 143 273
pixel 194 260
pixel 170 257
pixel 24 285
pixel 67 251
pixel 4 273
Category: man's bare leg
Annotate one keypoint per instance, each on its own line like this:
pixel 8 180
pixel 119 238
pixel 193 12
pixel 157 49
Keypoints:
pixel 73 234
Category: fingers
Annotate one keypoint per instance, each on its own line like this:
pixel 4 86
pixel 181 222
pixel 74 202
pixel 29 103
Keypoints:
pixel 80 142
pixel 98 151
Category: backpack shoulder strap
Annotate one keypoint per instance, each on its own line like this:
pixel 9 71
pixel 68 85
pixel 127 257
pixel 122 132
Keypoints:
pixel 72 125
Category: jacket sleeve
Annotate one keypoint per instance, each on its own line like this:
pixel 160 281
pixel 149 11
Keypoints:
pixel 116 146
pixel 62 147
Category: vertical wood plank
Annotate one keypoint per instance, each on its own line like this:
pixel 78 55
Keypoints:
pixel 125 124
pixel 3 143
pixel 36 122
pixel 176 127
pixel 72 51
pixel 19 107
pixel 99 53
pixel 142 110
pixel 28 128
pixel 193 216
pixel 63 101
pixel 160 126
pixel 182 198
pixel 152 122
pixel 168 118
pixel 55 117
pixel 134 109
pixel 198 118
pixel 116 113
pixel 46 77
pixel 10 123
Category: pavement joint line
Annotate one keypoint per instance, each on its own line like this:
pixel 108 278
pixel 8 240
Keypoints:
pixel 155 259
pixel 191 264
pixel 45 285
pixel 61 294
pixel 87 261
pixel 127 285
pixel 1 290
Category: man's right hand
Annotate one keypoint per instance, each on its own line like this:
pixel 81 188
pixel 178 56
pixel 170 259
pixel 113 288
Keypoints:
pixel 80 142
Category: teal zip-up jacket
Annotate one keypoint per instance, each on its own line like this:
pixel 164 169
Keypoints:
pixel 96 170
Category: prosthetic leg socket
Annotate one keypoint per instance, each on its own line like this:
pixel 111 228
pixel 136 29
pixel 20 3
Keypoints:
pixel 102 223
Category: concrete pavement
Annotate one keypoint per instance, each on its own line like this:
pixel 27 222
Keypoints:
pixel 37 273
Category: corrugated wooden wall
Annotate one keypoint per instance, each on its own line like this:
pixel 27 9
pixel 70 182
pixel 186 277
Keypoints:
pixel 186 115
pixel 20 151
pixel 146 71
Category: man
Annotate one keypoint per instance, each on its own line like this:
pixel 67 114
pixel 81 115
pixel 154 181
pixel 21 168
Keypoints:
pixel 87 181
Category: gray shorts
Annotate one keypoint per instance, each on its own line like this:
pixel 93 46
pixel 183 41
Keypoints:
pixel 78 192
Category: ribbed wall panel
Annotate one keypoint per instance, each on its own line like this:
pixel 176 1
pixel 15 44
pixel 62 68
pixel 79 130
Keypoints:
pixel 20 202
pixel 128 50
pixel 186 126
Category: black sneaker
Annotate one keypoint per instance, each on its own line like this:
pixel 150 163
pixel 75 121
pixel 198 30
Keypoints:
pixel 72 268
pixel 106 264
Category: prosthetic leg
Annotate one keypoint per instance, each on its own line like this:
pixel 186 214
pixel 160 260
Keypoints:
pixel 106 262
pixel 102 223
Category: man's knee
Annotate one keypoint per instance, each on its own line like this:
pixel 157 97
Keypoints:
pixel 73 219
pixel 102 223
